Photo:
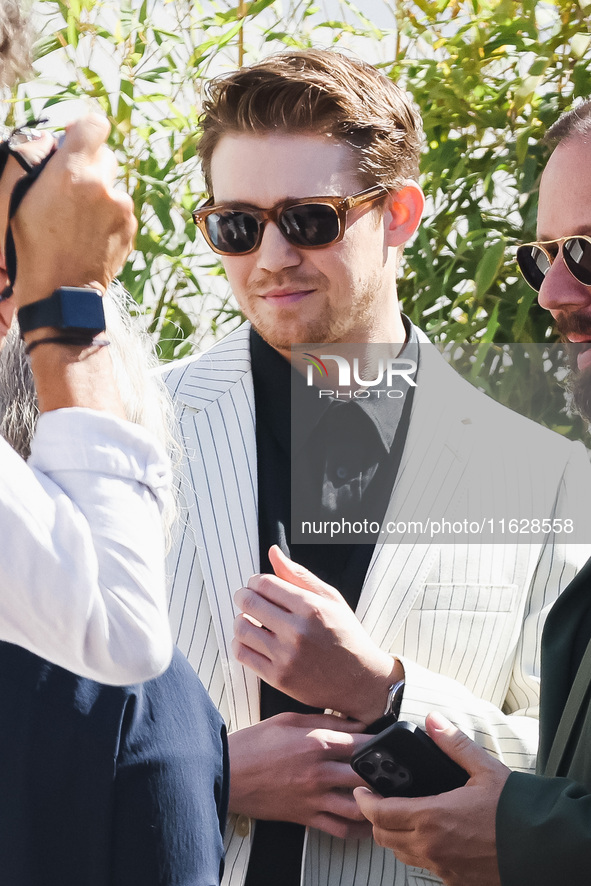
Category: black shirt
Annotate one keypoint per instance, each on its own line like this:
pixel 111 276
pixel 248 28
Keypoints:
pixel 342 458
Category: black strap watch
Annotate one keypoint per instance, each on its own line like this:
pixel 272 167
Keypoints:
pixel 392 712
pixel 70 309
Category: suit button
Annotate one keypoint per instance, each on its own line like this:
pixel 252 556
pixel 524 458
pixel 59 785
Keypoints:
pixel 242 826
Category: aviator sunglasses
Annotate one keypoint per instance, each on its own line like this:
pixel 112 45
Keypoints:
pixel 309 223
pixel 535 259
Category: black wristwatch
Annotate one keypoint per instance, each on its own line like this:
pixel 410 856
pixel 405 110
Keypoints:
pixel 392 712
pixel 70 309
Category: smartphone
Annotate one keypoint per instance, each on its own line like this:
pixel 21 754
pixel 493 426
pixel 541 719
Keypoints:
pixel 402 761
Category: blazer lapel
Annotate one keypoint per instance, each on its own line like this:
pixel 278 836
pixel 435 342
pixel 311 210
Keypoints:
pixel 559 716
pixel 566 728
pixel 436 452
pixel 218 424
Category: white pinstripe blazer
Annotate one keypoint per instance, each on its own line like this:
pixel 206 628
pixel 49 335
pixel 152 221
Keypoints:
pixel 465 620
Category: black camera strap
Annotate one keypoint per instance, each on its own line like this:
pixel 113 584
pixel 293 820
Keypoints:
pixel 20 189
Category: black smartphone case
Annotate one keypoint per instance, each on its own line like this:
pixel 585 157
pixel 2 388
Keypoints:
pixel 402 761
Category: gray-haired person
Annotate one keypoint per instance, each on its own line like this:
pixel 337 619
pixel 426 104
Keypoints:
pixel 81 560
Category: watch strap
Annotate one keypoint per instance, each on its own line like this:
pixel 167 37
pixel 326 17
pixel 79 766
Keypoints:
pixel 74 309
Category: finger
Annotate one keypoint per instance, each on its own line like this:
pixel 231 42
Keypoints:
pixel 282 594
pixel 86 135
pixel 401 843
pixel 341 775
pixel 125 209
pixel 123 221
pixel 367 802
pixel 84 151
pixel 293 573
pixel 37 148
pixel 104 165
pixel 257 647
pixel 249 630
pixel 342 828
pixel 457 745
pixel 339 744
pixel 391 813
pixel 256 641
pixel 101 166
pixel 328 722
pixel 255 661
pixel 343 805
pixel 291 595
pixel 259 607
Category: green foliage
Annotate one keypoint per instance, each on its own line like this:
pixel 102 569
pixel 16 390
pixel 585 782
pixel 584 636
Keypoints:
pixel 489 77
pixel 488 91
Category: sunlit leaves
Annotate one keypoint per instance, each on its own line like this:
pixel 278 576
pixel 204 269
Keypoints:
pixel 489 77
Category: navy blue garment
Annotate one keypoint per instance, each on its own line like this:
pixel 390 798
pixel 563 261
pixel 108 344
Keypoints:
pixel 109 785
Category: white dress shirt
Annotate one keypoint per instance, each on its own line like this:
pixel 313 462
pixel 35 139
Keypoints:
pixel 81 547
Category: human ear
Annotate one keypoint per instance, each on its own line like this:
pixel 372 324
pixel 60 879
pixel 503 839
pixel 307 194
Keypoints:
pixel 403 213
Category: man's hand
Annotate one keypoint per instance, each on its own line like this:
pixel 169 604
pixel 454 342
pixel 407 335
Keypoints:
pixel 72 227
pixel 452 834
pixel 34 151
pixel 308 643
pixel 295 767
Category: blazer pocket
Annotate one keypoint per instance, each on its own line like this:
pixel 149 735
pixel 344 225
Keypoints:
pixel 467 597
pixel 466 632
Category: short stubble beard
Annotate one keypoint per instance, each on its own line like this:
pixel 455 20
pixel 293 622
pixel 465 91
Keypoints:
pixel 330 326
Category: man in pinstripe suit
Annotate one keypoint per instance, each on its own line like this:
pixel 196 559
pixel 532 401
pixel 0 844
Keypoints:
pixel 514 828
pixel 311 160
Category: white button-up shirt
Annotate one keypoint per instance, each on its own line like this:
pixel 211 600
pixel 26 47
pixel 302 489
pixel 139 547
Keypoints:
pixel 81 547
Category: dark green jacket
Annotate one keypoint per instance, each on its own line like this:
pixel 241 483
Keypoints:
pixel 544 820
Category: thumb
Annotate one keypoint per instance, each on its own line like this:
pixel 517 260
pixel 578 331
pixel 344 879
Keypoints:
pixel 456 744
pixel 287 570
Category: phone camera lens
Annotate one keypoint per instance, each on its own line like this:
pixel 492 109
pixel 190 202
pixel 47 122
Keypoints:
pixel 366 767
pixel 389 766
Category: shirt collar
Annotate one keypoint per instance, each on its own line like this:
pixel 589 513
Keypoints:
pixel 281 392
pixel 275 383
pixel 385 412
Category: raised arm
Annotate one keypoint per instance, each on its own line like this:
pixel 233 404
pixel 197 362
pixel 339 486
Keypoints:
pixel 81 564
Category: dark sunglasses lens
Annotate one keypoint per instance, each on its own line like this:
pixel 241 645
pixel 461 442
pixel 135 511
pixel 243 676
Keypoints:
pixel 232 231
pixel 533 264
pixel 577 257
pixel 310 224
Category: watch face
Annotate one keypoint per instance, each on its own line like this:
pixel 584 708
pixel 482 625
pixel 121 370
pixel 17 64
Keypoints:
pixel 395 694
pixel 81 309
